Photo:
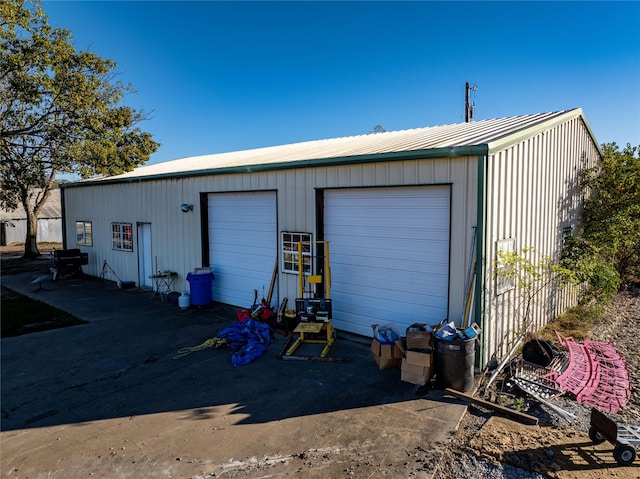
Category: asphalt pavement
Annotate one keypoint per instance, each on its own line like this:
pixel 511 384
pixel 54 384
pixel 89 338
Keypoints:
pixel 121 366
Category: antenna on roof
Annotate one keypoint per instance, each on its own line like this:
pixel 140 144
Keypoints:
pixel 469 107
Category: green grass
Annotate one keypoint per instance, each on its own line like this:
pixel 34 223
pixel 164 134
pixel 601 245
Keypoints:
pixel 577 322
pixel 22 315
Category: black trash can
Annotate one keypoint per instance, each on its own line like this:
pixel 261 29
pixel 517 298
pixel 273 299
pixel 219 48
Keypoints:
pixel 455 362
pixel 200 287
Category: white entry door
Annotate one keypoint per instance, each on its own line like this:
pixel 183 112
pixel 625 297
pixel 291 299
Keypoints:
pixel 145 261
pixel 389 255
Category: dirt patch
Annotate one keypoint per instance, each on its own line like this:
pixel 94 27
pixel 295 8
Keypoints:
pixel 561 453
pixel 488 446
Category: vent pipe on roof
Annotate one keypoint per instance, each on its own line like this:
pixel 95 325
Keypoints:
pixel 469 107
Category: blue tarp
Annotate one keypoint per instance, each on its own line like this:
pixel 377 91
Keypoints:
pixel 249 340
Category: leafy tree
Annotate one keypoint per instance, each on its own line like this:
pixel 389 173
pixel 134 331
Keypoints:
pixel 611 216
pixel 590 268
pixel 535 278
pixel 61 111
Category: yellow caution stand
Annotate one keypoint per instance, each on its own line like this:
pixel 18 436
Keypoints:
pixel 313 307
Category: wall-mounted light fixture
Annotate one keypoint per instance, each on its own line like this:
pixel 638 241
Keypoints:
pixel 186 207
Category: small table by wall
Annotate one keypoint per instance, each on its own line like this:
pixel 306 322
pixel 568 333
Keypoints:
pixel 162 284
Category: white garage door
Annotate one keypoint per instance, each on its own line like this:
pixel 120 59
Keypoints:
pixel 389 250
pixel 242 245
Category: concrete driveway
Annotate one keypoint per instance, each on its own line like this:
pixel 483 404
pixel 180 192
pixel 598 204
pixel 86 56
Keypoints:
pixel 108 400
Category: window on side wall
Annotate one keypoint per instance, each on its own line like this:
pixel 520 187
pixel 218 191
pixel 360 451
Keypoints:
pixel 289 251
pixel 84 236
pixel 504 280
pixel 122 236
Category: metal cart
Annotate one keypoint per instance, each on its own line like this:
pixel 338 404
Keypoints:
pixel 624 438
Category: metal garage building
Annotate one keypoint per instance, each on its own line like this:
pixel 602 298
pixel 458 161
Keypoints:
pixel 399 208
pixel 13 224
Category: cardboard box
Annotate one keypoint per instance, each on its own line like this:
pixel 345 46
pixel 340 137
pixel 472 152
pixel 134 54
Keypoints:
pixel 415 374
pixel 419 336
pixel 423 357
pixel 417 367
pixel 419 358
pixel 387 363
pixel 385 351
pixel 386 356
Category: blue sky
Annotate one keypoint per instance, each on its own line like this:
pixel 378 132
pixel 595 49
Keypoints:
pixel 225 76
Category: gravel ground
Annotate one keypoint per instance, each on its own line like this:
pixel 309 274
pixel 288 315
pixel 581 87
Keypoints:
pixel 620 325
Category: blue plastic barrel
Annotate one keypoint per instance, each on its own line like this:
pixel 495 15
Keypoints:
pixel 200 286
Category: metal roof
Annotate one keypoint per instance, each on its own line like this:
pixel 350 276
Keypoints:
pixel 51 209
pixel 459 139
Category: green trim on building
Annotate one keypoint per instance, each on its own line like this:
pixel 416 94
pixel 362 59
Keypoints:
pixel 480 251
pixel 449 152
pixel 521 135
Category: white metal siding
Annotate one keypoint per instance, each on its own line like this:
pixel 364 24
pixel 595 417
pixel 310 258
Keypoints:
pixel 49 230
pixel 242 245
pixel 389 250
pixel 532 194
pixel 177 236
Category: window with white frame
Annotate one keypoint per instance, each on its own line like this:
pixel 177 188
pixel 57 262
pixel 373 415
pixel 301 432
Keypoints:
pixel 289 250
pixel 504 280
pixel 122 236
pixel 84 236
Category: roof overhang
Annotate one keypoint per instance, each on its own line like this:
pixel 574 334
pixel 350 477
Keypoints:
pixel 448 152
pixel 513 138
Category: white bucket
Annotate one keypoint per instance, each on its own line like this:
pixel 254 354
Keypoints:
pixel 184 301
